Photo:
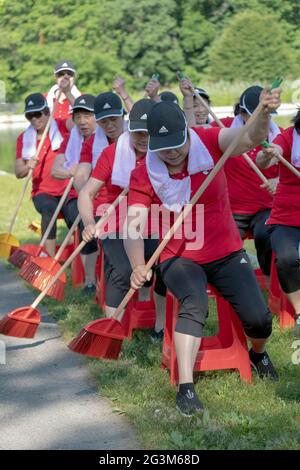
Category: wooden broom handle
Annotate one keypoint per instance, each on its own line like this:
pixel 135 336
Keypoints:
pixel 220 124
pixel 28 177
pixel 187 209
pixel 67 239
pixel 288 165
pixel 57 211
pixel 79 248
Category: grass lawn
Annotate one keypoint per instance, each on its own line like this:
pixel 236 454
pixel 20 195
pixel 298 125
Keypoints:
pixel 263 415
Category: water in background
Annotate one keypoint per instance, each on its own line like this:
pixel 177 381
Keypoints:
pixel 8 139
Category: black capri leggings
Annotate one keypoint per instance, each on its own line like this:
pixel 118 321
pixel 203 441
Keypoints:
pixel 233 277
pixel 46 204
pixel 117 270
pixel 256 224
pixel 285 244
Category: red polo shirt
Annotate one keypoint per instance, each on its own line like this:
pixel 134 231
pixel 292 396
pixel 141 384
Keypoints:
pixel 286 206
pixel 42 181
pixel 220 234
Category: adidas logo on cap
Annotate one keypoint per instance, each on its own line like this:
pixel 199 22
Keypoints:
pixel 107 106
pixel 65 64
pixel 144 117
pixel 82 101
pixel 243 261
pixel 163 130
pixel 30 103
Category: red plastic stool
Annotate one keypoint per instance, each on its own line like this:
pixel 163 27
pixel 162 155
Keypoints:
pixel 227 350
pixel 278 302
pixel 138 315
pixel 77 268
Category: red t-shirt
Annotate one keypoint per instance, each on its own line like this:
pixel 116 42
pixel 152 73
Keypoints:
pixel 42 181
pixel 62 110
pixel 103 172
pixel 86 156
pixel 245 194
pixel 62 149
pixel 286 206
pixel 220 236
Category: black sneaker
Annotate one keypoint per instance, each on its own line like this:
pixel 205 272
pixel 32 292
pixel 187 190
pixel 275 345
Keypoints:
pixel 156 337
pixel 262 364
pixel 89 289
pixel 188 404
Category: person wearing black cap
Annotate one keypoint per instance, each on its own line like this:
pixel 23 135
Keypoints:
pixel 113 170
pixel 250 200
pixel 64 72
pixel 46 191
pixel 177 163
pixel 168 96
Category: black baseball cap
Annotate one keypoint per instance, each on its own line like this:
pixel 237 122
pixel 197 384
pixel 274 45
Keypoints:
pixel 107 105
pixel 249 99
pixel 35 102
pixel 84 102
pixel 64 65
pixel 168 96
pixel 167 126
pixel 139 114
pixel 202 93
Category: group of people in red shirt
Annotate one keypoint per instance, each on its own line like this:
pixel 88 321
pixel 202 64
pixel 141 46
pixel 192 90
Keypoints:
pixel 161 155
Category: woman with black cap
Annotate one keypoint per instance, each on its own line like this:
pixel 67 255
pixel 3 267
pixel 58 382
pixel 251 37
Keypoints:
pixel 64 72
pixel 113 170
pixel 250 200
pixel 46 190
pixel 285 214
pixel 177 163
pixel 65 167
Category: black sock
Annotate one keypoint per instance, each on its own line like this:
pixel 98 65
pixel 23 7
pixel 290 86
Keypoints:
pixel 255 355
pixel 183 388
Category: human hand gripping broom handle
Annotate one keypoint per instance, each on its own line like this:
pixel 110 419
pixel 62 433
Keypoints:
pixel 220 124
pixel 187 209
pixel 57 211
pixel 266 144
pixel 28 177
pixel 156 76
pixel 79 248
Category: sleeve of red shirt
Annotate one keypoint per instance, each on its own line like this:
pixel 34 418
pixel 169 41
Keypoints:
pixel 62 126
pixel 226 121
pixel 103 169
pixel 62 148
pixel 210 138
pixel 284 140
pixel 86 154
pixel 19 146
pixel 140 188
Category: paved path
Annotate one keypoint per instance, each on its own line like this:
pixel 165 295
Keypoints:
pixel 47 398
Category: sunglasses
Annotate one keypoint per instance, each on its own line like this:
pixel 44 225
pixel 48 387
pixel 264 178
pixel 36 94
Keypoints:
pixel 36 115
pixel 62 73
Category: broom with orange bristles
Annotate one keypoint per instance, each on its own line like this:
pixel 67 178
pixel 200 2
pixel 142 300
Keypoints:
pixel 103 338
pixel 39 271
pixel 24 321
pixel 26 252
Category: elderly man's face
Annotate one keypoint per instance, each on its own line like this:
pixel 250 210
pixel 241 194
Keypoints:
pixel 65 75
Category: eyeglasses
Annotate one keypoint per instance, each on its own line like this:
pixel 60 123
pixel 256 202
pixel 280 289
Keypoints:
pixel 62 73
pixel 36 115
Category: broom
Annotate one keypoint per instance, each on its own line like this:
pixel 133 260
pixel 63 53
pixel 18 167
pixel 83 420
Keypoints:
pixel 8 242
pixel 39 271
pixel 220 124
pixel 103 338
pixel 266 144
pixel 24 321
pixel 26 252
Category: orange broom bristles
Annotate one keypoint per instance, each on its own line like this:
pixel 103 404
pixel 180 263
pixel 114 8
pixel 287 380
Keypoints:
pixel 25 253
pixel 21 323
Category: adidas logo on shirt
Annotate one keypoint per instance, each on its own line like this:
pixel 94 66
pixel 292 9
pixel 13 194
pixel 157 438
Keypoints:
pixel 243 261
pixel 163 130
pixel 107 106
pixel 144 117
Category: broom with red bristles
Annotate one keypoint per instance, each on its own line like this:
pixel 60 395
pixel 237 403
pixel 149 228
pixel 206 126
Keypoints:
pixel 39 271
pixel 25 253
pixel 103 338
pixel 24 321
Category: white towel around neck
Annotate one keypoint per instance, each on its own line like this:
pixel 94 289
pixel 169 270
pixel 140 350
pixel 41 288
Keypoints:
pixel 101 141
pixel 174 193
pixel 30 140
pixel 51 95
pixel 73 148
pixel 273 128
pixel 125 161
pixel 295 157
